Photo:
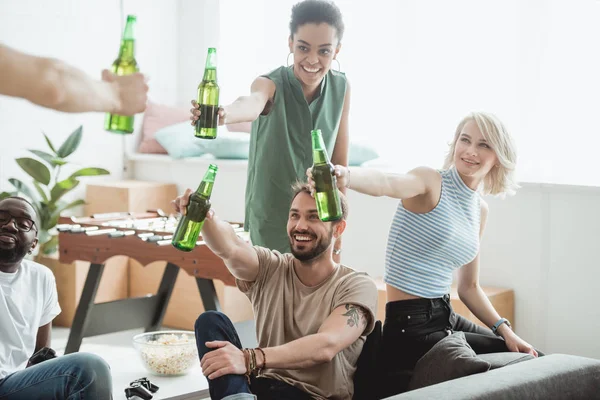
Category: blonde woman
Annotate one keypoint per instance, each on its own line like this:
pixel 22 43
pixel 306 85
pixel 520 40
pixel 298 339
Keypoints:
pixel 437 229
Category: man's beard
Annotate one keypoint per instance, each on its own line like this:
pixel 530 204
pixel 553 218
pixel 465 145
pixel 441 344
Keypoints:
pixel 320 247
pixel 14 254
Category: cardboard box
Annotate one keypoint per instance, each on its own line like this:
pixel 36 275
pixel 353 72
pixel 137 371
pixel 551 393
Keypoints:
pixel 185 304
pixel 70 279
pixel 129 196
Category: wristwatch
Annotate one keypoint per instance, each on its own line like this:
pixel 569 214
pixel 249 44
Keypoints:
pixel 497 325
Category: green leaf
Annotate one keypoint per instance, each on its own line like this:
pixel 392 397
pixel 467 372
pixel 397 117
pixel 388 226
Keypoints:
pixel 4 195
pixel 62 187
pixel 47 212
pixel 71 144
pixel 43 237
pixel 72 204
pixel 49 158
pixel 52 221
pixel 49 143
pixel 90 172
pixel 23 188
pixel 41 191
pixel 43 155
pixel 35 169
pixel 50 246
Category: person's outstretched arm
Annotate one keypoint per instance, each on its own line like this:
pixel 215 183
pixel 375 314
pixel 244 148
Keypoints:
pixel 238 255
pixel 416 182
pixel 244 108
pixel 54 84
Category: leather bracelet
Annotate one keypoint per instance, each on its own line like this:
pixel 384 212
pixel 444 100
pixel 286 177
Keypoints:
pixel 247 362
pixel 264 363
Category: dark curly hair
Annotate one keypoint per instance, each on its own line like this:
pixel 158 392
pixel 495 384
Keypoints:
pixel 317 11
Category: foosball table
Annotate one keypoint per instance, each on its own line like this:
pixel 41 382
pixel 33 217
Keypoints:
pixel 145 237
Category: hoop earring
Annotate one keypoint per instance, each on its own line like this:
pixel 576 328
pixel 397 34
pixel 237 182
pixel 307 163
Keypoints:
pixel 339 66
pixel 288 59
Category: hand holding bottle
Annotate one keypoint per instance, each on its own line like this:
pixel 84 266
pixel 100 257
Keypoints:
pixel 180 203
pixel 195 207
pixel 131 92
pixel 341 173
pixel 196 113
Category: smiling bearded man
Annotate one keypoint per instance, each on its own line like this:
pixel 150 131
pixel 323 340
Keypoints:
pixel 312 314
pixel 28 304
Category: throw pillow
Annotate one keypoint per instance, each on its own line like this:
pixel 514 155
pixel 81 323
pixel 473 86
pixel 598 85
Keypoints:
pixel 179 141
pixel 450 358
pixel 360 153
pixel 228 145
pixel 156 117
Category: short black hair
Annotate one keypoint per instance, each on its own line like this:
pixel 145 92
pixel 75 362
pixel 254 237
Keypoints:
pixel 317 11
pixel 36 217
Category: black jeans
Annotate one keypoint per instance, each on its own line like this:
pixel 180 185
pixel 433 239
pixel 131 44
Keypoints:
pixel 213 325
pixel 413 327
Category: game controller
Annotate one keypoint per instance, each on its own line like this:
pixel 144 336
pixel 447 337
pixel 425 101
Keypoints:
pixel 141 388
pixel 145 382
pixel 138 391
pixel 44 354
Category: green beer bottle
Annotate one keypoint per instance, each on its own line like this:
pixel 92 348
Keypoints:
pixel 190 224
pixel 329 206
pixel 125 64
pixel 208 99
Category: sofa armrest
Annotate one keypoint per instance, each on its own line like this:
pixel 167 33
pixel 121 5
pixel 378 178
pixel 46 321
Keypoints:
pixel 556 376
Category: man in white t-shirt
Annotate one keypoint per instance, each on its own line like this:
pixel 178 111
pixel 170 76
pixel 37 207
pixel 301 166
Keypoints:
pixel 28 304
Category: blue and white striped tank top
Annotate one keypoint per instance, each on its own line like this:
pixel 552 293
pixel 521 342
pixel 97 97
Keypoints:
pixel 423 250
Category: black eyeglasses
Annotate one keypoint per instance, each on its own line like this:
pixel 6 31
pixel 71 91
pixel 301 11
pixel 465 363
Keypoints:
pixel 23 224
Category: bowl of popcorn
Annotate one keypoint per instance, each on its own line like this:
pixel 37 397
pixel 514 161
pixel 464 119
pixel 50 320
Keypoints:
pixel 167 352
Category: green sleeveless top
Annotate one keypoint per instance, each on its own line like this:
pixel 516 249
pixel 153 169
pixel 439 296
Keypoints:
pixel 281 151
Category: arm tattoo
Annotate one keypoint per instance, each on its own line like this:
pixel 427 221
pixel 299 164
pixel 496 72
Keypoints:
pixel 355 315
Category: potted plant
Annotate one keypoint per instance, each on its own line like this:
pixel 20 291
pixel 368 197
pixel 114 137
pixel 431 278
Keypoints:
pixel 48 187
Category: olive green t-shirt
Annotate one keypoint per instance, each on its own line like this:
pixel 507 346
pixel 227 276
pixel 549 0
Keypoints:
pixel 286 310
pixel 281 151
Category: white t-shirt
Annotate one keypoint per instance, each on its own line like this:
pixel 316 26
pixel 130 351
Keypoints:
pixel 28 300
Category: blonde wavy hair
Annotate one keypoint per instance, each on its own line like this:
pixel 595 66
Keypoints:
pixel 501 179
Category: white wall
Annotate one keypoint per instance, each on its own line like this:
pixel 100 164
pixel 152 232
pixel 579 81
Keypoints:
pixel 542 243
pixel 198 29
pixel 85 34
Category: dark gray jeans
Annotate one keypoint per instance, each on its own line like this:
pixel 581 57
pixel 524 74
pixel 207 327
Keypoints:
pixel 413 327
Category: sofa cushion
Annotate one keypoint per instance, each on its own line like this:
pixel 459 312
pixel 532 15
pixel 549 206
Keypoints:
pixel 499 360
pixel 179 140
pixel 450 358
pixel 552 377
pixel 228 145
pixel 360 152
pixel 156 117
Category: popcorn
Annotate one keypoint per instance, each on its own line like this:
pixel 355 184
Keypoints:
pixel 169 354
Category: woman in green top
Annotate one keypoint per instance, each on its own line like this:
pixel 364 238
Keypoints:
pixel 284 106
